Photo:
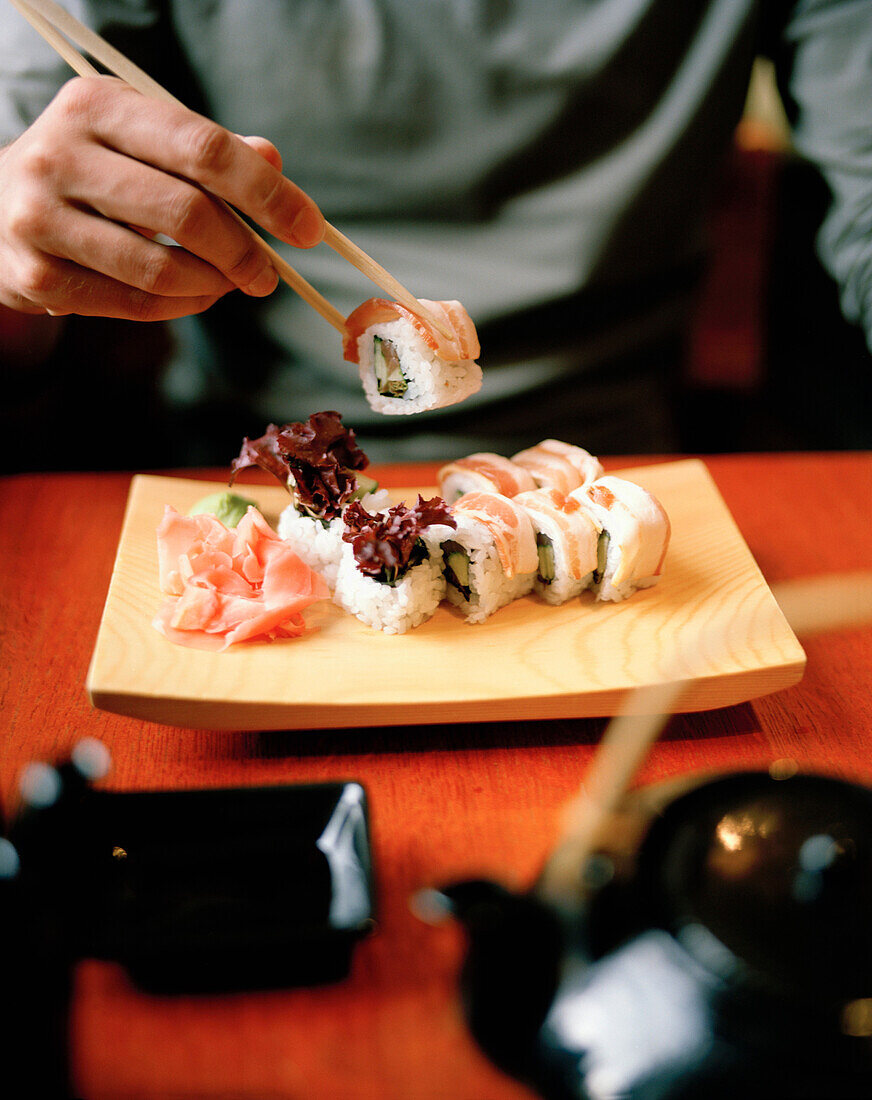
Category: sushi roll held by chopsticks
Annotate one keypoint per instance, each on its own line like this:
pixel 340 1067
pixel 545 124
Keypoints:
pixel 491 558
pixel 634 533
pixel 407 365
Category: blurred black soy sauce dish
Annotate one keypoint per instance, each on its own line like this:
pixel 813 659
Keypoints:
pixel 718 944
pixel 191 891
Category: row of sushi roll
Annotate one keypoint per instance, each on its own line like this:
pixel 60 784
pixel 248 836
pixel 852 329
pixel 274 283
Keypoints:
pixel 608 537
pixel 547 521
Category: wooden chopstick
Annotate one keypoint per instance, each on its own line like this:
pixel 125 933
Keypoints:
pixel 813 605
pixel 621 751
pixel 48 18
pixel 810 605
pixel 382 278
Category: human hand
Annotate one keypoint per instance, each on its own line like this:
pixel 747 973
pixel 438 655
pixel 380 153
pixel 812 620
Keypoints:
pixel 102 171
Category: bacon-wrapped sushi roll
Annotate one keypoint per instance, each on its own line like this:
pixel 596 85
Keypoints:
pixel 483 472
pixel 390 573
pixel 491 557
pixel 557 465
pixel 634 535
pixel 321 466
pixel 566 544
pixel 406 364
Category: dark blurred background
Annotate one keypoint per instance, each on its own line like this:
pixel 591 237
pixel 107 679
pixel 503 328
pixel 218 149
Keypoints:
pixel 773 364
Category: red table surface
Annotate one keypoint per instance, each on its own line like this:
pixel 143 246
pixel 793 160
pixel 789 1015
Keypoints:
pixel 447 802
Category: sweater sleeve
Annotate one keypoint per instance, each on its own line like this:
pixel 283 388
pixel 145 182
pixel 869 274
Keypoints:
pixel 825 70
pixel 31 73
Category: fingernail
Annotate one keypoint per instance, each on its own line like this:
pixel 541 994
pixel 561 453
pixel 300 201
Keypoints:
pixel 265 283
pixel 308 227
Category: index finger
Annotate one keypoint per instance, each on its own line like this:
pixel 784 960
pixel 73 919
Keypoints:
pixel 186 144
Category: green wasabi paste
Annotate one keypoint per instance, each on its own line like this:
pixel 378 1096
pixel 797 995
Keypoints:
pixel 227 507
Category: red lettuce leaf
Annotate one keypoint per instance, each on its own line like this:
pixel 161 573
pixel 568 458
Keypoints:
pixel 263 452
pixel 385 545
pixel 315 460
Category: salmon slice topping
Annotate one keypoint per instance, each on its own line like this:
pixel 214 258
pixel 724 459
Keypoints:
pixel 510 527
pixel 634 519
pixel 588 466
pixel 549 470
pixel 501 474
pixel 460 345
pixel 573 528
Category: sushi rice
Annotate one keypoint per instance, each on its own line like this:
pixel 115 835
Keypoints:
pixel 396 608
pixel 430 382
pixel 319 542
pixel 489 587
pixel 634 536
pixel 578 542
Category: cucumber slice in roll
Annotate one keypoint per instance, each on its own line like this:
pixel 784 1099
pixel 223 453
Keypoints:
pixel 389 377
pixel 456 567
pixel 545 549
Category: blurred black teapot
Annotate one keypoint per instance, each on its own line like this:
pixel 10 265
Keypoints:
pixel 716 943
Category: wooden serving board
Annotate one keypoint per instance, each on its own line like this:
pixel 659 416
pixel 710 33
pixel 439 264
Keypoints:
pixel 529 660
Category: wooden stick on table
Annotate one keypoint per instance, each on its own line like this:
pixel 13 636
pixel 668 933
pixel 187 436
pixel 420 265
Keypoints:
pixel 49 18
pixel 811 605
